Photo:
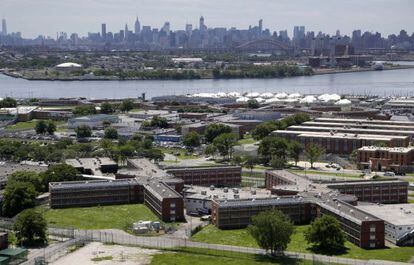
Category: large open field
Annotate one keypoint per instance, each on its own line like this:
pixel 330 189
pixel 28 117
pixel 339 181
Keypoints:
pixel 101 217
pixel 240 237
pixel 209 257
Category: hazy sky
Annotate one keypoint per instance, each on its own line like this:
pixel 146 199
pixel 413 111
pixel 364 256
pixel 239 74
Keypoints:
pixel 33 17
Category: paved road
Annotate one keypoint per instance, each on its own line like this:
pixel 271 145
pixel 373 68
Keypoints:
pixel 123 238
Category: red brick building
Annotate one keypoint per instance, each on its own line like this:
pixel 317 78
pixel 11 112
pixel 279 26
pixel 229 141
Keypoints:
pixel 397 159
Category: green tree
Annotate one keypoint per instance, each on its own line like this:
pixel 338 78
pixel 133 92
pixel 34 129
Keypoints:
pixel 18 196
pixel 215 129
pixel 211 150
pixel 127 105
pixel 107 108
pixel 27 176
pixel 59 173
pixel 84 110
pixel 326 235
pixel 30 228
pixel 8 102
pixel 41 127
pixel 191 140
pixel 83 131
pixel 224 144
pixel 272 230
pixel 51 128
pixel 264 129
pixel 159 122
pixel 253 104
pixel 250 162
pixel 111 133
pixel 273 148
pixel 313 153
pixel 295 150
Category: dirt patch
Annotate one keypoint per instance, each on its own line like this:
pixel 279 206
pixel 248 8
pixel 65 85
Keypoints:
pixel 98 253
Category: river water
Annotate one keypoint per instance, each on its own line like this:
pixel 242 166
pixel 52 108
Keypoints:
pixel 382 83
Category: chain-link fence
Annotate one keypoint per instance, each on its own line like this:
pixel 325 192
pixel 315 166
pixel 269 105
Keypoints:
pixel 56 251
pixel 174 244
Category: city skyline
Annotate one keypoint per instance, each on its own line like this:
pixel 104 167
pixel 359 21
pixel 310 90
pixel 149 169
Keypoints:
pixel 386 17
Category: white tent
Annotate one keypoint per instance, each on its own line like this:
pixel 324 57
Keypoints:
pixel 281 95
pixel 308 100
pixel 294 95
pixel 266 95
pixel 242 99
pixel 252 95
pixel 343 102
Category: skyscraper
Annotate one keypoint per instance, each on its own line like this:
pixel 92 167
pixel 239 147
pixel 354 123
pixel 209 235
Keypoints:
pixel 126 32
pixel 4 27
pixel 299 32
pixel 202 25
pixel 260 27
pixel 137 28
pixel 103 31
pixel 188 29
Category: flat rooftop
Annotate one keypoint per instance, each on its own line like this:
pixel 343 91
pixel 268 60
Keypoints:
pixel 142 167
pixel 90 184
pixel 351 130
pixel 396 214
pixel 342 135
pixel 388 149
pixel 260 202
pixel 362 121
pixel 205 193
pixel 161 190
pixel 357 125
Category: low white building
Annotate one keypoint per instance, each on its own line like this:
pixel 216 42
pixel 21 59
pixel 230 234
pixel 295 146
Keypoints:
pixel 398 220
pixel 93 121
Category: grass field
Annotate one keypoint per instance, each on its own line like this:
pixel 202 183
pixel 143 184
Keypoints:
pixel 27 125
pixel 20 126
pixel 101 217
pixel 240 237
pixel 182 153
pixel 246 141
pixel 324 173
pixel 192 256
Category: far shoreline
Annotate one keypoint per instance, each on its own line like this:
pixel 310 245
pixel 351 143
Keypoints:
pixel 328 72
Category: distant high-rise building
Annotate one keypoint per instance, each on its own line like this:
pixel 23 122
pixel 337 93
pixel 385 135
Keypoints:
pixel 126 32
pixel 103 31
pixel 202 26
pixel 137 27
pixel 260 27
pixel 299 32
pixel 4 27
pixel 189 29
pixel 166 28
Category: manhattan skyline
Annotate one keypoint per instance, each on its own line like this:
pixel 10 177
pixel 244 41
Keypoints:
pixel 46 17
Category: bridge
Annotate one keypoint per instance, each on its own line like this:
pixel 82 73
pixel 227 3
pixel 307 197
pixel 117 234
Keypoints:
pixel 265 45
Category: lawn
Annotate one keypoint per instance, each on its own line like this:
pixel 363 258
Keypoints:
pixel 324 173
pixel 246 141
pixel 182 153
pixel 21 126
pixel 240 237
pixel 192 256
pixel 100 217
pixel 28 125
